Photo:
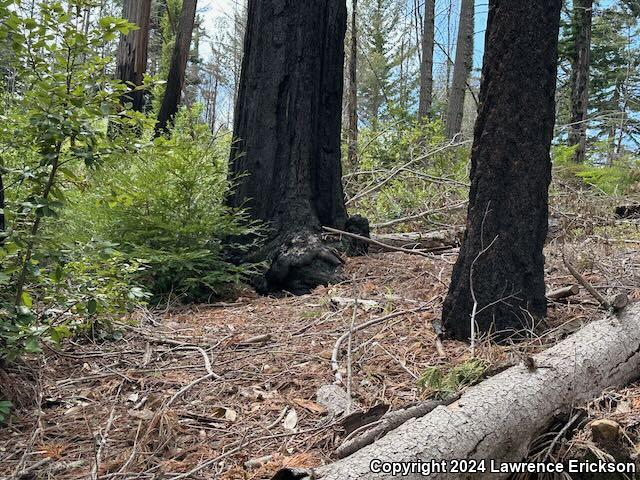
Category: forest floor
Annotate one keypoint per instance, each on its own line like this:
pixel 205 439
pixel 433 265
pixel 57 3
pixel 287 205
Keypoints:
pixel 119 409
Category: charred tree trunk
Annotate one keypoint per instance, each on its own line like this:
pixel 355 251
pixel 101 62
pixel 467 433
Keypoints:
pixel 352 103
pixel 461 68
pixel 179 58
pixel 582 18
pixel 499 275
pixel 132 51
pixel 426 64
pixel 285 159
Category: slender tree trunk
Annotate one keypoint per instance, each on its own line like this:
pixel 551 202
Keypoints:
pixel 132 51
pixel 499 276
pixel 2 222
pixel 582 18
pixel 179 58
pixel 426 64
pixel 352 98
pixel 462 68
pixel 285 159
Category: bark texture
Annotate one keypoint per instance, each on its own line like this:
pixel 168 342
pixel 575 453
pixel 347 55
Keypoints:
pixel 426 64
pixel 286 154
pixel 132 50
pixel 500 269
pixel 461 69
pixel 499 418
pixel 582 18
pixel 179 58
pixel 352 98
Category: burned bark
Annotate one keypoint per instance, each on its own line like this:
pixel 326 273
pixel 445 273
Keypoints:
pixel 461 69
pixel 499 275
pixel 582 19
pixel 178 66
pixel 132 51
pixel 285 159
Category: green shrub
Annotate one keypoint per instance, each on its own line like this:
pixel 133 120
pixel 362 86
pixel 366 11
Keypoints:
pixel 615 179
pixel 164 203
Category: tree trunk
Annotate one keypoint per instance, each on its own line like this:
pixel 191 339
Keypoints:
pixel 352 102
pixel 132 50
pixel 462 68
pixel 2 221
pixel 426 64
pixel 500 418
pixel 499 275
pixel 580 76
pixel 285 159
pixel 179 58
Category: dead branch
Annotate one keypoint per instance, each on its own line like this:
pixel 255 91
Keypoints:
pixel 564 292
pixel 389 421
pixel 375 242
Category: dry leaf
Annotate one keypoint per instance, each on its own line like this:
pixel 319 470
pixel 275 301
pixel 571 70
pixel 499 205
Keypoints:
pixel 310 405
pixel 224 413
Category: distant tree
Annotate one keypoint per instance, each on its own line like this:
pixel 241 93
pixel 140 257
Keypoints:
pixel 498 279
pixel 379 23
pixel 352 93
pixel 462 68
pixel 132 51
pixel 178 65
pixel 426 59
pixel 285 157
pixel 580 67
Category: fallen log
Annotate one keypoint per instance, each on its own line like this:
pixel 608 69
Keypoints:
pixel 499 418
pixel 429 241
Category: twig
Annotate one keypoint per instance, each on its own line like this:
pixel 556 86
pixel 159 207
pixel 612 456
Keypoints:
pixel 418 215
pixel 349 352
pixel 104 436
pixel 210 374
pixel 561 434
pixel 583 281
pixel 242 445
pixel 28 472
pixel 335 355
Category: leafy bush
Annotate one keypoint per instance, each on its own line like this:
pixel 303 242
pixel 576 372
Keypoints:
pixel 53 124
pixel 164 204
pixel 615 179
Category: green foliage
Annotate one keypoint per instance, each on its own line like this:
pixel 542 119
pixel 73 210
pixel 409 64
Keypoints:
pixel 54 125
pixel 615 179
pixel 5 410
pixel 435 170
pixel 165 204
pixel 445 382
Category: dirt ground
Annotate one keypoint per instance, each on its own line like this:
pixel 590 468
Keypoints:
pixel 149 405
